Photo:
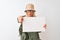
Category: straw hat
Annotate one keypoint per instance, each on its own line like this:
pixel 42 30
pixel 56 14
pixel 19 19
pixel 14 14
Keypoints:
pixel 29 7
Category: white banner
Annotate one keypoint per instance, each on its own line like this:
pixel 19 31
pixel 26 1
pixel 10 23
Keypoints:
pixel 34 24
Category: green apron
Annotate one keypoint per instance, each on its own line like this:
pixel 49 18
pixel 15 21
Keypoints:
pixel 28 35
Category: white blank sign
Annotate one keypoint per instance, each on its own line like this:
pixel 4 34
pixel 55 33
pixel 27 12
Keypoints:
pixel 34 24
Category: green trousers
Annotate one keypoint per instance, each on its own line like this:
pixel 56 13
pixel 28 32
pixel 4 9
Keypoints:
pixel 30 36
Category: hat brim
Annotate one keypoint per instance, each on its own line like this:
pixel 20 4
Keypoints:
pixel 29 10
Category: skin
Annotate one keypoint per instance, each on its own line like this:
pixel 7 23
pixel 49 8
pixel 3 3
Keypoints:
pixel 30 13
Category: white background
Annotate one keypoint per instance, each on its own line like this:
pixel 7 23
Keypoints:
pixel 11 9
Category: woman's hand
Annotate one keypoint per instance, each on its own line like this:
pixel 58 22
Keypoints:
pixel 45 26
pixel 20 19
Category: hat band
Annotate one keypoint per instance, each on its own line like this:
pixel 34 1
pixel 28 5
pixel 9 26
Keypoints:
pixel 29 10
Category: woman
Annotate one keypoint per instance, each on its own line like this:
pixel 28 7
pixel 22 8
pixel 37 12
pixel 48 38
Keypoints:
pixel 30 12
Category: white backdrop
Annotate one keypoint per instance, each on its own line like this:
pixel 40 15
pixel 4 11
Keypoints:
pixel 11 9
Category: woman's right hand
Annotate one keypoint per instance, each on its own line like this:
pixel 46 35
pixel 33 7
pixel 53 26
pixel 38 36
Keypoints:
pixel 20 19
